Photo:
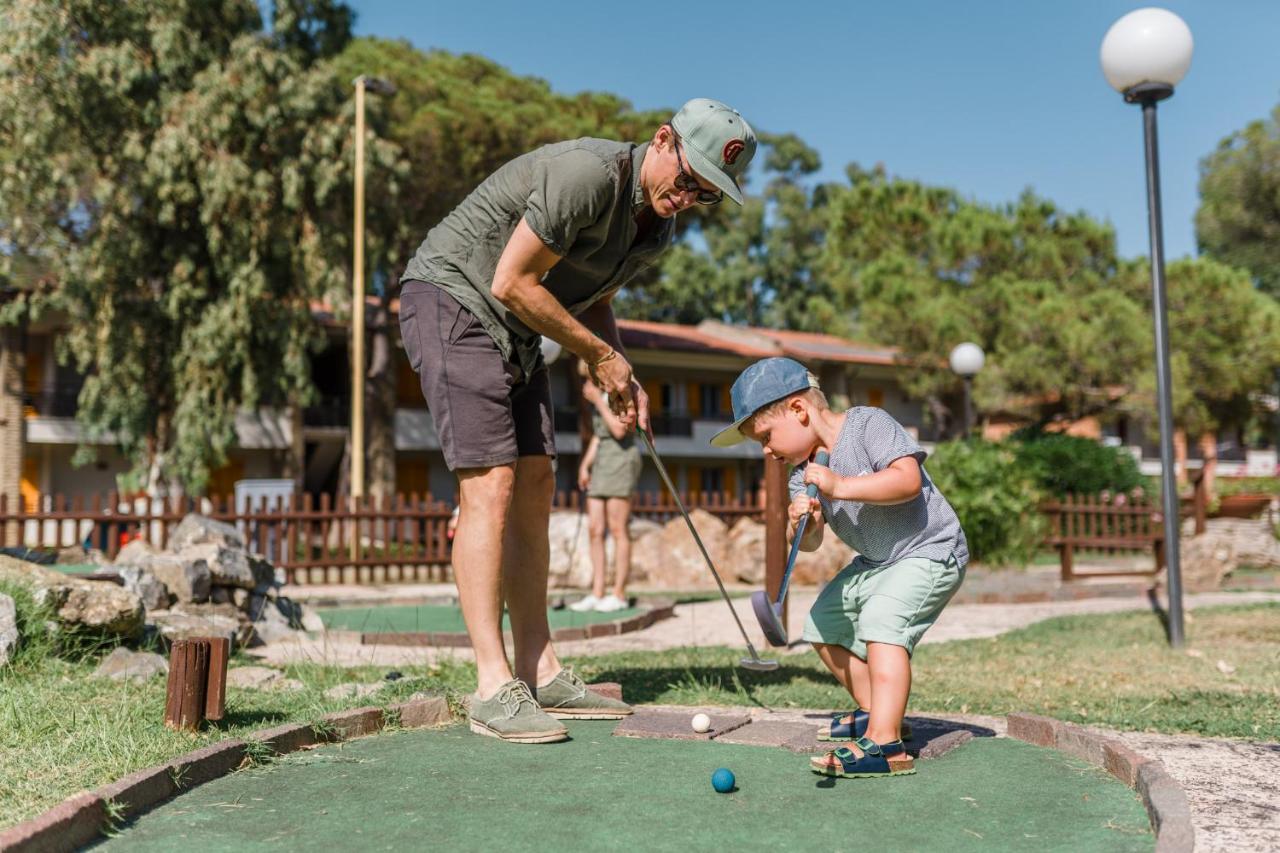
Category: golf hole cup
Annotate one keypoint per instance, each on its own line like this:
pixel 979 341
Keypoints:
pixel 701 723
pixel 722 780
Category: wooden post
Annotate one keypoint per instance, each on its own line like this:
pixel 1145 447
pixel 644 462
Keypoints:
pixel 188 682
pixel 215 700
pixel 1200 501
pixel 775 529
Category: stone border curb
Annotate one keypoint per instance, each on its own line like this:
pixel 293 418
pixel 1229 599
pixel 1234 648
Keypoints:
pixel 81 819
pixel 1164 799
pixel 460 640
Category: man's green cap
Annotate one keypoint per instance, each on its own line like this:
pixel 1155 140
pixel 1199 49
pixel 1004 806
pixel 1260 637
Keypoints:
pixel 717 141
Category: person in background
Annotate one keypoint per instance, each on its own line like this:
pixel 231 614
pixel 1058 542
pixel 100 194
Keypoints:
pixel 608 473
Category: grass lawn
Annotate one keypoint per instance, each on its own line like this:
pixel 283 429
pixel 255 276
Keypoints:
pixel 61 731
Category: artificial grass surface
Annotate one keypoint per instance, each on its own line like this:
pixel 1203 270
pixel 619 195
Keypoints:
pixel 444 617
pixel 452 789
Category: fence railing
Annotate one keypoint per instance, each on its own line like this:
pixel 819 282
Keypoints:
pixel 395 539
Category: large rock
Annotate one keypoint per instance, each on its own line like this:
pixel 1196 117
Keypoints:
pixel 1206 560
pixel 135 550
pixel 1255 540
pixel 275 618
pixel 746 552
pixel 227 566
pixel 670 559
pixel 144 584
pixel 820 566
pixel 8 629
pixel 570 541
pixel 183 626
pixel 254 677
pixel 186 579
pixel 135 666
pixel 198 529
pixel 81 605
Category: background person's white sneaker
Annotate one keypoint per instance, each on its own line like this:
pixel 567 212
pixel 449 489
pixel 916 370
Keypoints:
pixel 590 602
pixel 610 603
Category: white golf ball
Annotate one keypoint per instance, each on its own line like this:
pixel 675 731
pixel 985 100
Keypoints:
pixel 701 723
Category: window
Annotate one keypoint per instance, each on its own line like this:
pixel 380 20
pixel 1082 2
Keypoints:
pixel 709 396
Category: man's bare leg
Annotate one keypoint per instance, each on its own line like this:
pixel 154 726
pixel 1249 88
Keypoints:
pixel 484 495
pixel 526 558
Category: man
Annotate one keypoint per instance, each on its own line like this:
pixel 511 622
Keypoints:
pixel 540 248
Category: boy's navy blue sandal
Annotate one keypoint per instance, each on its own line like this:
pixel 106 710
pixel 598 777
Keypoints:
pixel 872 760
pixel 855 728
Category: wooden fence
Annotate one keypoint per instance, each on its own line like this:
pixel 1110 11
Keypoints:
pixel 398 539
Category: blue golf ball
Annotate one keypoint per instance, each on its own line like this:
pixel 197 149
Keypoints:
pixel 722 780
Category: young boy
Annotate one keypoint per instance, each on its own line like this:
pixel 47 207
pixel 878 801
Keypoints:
pixel 911 552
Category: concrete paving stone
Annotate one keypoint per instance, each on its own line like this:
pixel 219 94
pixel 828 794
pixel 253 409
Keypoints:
pixel 675 725
pixel 356 722
pixel 1122 762
pixel 797 737
pixel 423 711
pixel 287 738
pixel 941 745
pixel 1041 731
pixel 70 825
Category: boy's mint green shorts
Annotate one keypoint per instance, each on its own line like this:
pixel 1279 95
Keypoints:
pixel 894 603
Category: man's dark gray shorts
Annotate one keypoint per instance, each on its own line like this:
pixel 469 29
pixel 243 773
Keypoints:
pixel 484 414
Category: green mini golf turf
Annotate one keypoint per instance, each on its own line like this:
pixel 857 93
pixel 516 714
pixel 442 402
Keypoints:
pixel 453 790
pixel 442 617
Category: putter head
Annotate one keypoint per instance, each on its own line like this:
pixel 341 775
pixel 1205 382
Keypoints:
pixel 758 664
pixel 770 624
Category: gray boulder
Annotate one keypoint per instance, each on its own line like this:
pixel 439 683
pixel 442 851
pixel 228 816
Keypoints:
pixel 275 618
pixel 92 606
pixel 198 529
pixel 144 584
pixel 135 550
pixel 136 666
pixel 183 626
pixel 8 629
pixel 227 566
pixel 186 579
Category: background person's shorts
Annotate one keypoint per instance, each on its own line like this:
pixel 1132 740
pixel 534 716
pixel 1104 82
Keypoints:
pixel 894 603
pixel 484 415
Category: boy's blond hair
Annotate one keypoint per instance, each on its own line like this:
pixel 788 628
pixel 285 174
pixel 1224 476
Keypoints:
pixel 813 396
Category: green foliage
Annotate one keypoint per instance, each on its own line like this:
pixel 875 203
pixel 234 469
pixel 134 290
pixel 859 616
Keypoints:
pixel 1239 221
pixel 178 187
pixel 995 497
pixel 1225 486
pixel 1068 464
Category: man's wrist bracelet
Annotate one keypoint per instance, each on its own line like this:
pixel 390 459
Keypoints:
pixel 611 354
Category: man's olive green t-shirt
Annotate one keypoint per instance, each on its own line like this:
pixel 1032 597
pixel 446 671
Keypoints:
pixel 580 197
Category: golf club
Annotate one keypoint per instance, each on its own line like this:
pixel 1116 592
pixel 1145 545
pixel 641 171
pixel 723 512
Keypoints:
pixel 769 613
pixel 754 662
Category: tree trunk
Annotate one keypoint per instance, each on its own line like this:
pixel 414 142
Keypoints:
pixel 1209 450
pixel 12 423
pixel 380 405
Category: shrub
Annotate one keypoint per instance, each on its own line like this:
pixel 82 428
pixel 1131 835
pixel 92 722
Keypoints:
pixel 995 497
pixel 1068 464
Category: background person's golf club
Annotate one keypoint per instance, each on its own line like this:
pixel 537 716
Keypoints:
pixel 769 613
pixel 754 662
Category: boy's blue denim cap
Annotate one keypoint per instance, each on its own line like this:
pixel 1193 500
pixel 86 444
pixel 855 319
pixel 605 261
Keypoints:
pixel 764 382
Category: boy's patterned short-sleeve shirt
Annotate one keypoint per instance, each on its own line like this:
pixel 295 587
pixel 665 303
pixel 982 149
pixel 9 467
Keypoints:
pixel 925 526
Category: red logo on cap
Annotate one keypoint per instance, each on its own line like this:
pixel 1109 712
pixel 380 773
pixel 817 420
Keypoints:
pixel 732 149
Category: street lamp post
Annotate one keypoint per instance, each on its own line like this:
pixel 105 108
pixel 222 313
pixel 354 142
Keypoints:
pixel 382 87
pixel 1145 55
pixel 966 360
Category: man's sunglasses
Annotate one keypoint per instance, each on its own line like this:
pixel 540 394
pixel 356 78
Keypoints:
pixel 687 183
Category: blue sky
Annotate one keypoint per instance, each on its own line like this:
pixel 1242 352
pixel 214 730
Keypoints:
pixel 987 96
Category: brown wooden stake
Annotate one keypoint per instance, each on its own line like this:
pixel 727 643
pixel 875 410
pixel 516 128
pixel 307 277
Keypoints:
pixel 775 529
pixel 188 680
pixel 215 700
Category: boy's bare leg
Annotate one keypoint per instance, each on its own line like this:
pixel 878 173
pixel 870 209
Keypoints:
pixel 619 513
pixel 890 669
pixel 596 526
pixel 850 670
pixel 484 495
pixel 525 560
